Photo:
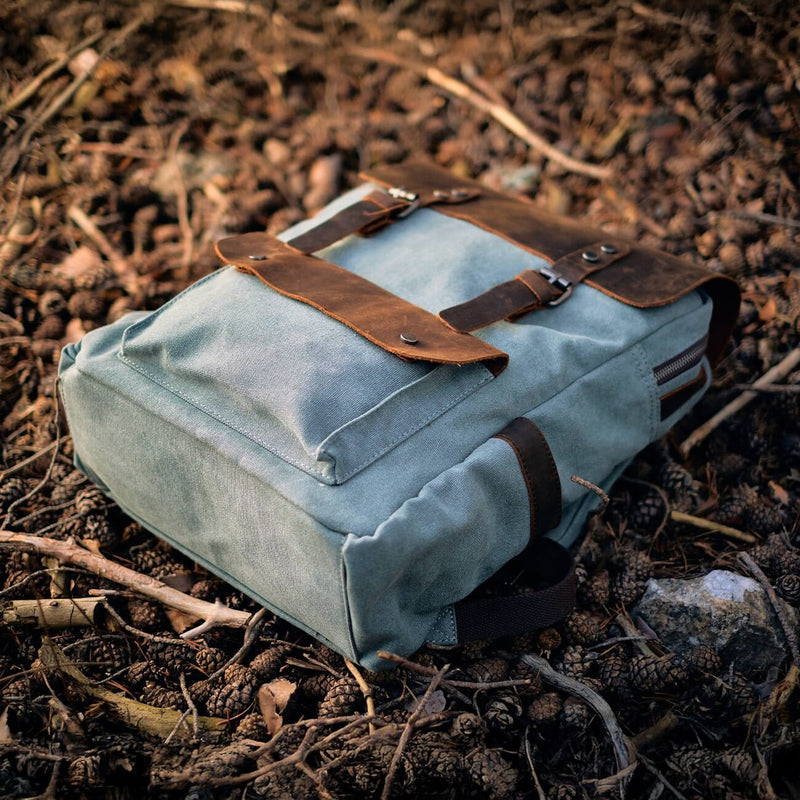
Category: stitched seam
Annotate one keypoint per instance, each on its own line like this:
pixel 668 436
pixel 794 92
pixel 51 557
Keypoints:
pixel 525 469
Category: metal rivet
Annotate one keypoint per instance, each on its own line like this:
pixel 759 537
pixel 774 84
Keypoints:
pixel 409 338
pixel 590 256
pixel 257 258
pixel 609 249
pixel 459 192
pixel 439 194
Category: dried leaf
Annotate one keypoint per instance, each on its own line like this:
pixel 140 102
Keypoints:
pixel 282 689
pixel 267 706
pixel 5 732
pixel 768 311
pixel 779 493
pixel 435 703
pixel 179 621
pixel 84 261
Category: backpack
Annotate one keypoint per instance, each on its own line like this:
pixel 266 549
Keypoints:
pixel 370 423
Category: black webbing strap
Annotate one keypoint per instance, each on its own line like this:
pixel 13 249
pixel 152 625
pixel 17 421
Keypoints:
pixel 533 607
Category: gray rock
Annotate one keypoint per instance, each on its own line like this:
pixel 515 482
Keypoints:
pixel 728 611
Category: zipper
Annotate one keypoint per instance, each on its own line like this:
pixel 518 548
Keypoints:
pixel 687 358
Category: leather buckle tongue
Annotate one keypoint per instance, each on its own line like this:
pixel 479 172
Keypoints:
pixel 402 194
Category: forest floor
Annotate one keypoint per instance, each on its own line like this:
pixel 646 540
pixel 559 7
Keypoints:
pixel 134 135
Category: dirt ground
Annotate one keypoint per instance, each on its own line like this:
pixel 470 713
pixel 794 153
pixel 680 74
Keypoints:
pixel 134 135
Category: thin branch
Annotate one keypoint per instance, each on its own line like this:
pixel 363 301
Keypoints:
pixel 604 499
pixel 252 631
pixel 754 216
pixel 777 373
pixel 620 743
pixel 408 730
pixel 529 756
pixel 68 552
pixel 716 527
pixel 366 690
pixel 501 114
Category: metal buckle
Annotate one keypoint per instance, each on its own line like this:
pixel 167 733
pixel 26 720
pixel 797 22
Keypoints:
pixel 403 194
pixel 560 282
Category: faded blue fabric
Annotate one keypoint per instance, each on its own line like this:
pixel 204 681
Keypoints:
pixel 357 495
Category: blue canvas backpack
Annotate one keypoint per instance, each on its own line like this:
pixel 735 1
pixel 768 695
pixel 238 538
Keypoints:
pixel 362 421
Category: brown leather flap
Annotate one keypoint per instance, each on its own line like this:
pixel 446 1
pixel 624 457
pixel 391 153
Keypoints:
pixel 643 278
pixel 400 327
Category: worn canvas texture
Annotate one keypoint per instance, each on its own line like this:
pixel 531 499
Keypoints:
pixel 355 494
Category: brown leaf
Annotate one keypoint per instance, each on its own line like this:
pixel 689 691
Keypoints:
pixel 768 311
pixel 179 621
pixel 779 493
pixel 5 732
pixel 272 699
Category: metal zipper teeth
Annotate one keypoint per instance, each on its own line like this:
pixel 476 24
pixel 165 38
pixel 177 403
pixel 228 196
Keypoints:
pixel 687 358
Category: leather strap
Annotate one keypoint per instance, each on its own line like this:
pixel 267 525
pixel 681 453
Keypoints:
pixel 374 211
pixel 539 471
pixel 399 327
pixel 534 289
pixel 644 279
pixel 546 570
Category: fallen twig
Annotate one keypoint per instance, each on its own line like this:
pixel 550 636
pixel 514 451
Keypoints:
pixel 157 721
pixel 53 613
pixel 777 373
pixel 408 730
pixel 366 690
pixel 250 636
pixel 754 216
pixel 529 756
pixel 716 527
pixel 788 629
pixel 621 744
pixel 500 113
pixel 68 552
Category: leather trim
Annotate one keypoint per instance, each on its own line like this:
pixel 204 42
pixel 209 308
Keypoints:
pixel 543 562
pixel 645 278
pixel 672 401
pixel 539 471
pixel 530 289
pixel 376 314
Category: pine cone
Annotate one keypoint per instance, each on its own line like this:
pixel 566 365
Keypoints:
pixel 210 659
pixel 502 712
pixel 548 641
pixel 11 490
pixel 431 763
pixel 691 761
pixel 489 670
pixel 656 673
pixel 576 714
pixel 51 328
pixel 84 773
pixel 97 528
pixel 86 306
pixel 252 726
pixel 575 661
pixel 344 697
pixel 209 589
pixel 763 519
pixel 268 663
pixel 740 764
pixel 159 696
pixel 90 500
pixel 467 730
pixel 200 691
pixel 647 513
pixel 702 659
pixel 583 628
pixel 545 708
pixel 596 592
pixel 139 674
pixel 315 686
pixel 523 671
pixel 492 776
pixel 630 583
pixel 175 658
pixel 145 615
pixel 230 699
pixel 788 587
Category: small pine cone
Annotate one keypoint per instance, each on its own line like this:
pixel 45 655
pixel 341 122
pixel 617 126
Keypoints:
pixel 596 592
pixel 62 493
pixel 175 657
pixel 210 659
pixel 431 763
pixel 159 696
pixel 96 278
pixel 90 500
pixel 575 661
pixel 740 764
pixel 344 697
pixel 238 673
pixel 629 584
pixel 656 673
pixel 788 587
pixel 100 530
pixel 545 708
pixel 145 615
pixel 472 651
pixel 732 258
pixel 200 691
pixel 741 694
pixel 84 773
pixel 209 589
pixel 548 640
pixel 489 670
pixel 524 643
pixel 48 350
pixel 674 479
pixel 86 306
pixel 51 327
pixel 732 509
pixel 252 726
pixel 109 654
pixel 11 490
pixel 705 93
pixel 576 714
pixel 682 225
pixel 502 712
pixel 702 659
pixel 691 761
pixel 315 686
pixel 647 513
pixel 139 674
pixel 268 663
pixel 522 671
pixel 763 519
pixel 467 730
pixel 492 776
pixel 328 656
pixel 229 699
pixel 583 628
